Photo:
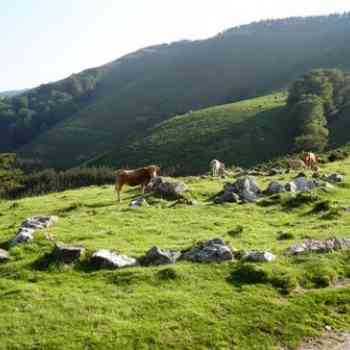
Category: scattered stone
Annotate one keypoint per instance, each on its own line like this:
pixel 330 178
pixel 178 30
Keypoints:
pixel 157 256
pixel 4 255
pixel 108 259
pixel 138 202
pixel 320 246
pixel 67 254
pixel 334 178
pixel 229 197
pixel 214 250
pixel 275 188
pixel 30 225
pixel 258 256
pixel 168 189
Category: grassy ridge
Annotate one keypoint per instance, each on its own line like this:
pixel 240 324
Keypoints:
pixel 199 306
pixel 242 133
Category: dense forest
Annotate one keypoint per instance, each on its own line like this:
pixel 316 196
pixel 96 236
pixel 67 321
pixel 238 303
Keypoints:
pixel 26 115
pixel 100 111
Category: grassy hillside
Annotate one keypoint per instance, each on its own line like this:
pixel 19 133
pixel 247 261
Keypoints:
pixel 154 84
pixel 242 133
pixel 190 306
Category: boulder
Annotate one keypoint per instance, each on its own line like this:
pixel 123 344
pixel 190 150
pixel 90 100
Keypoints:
pixel 275 188
pixel 67 254
pixel 320 246
pixel 138 202
pixel 258 256
pixel 108 259
pixel 302 184
pixel 158 256
pixel 246 188
pixel 214 250
pixel 168 189
pixel 4 255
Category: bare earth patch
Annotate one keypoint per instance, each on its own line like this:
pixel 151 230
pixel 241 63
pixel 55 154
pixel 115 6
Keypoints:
pixel 329 341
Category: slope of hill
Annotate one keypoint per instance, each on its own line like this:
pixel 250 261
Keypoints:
pixel 230 305
pixel 11 93
pixel 156 83
pixel 243 133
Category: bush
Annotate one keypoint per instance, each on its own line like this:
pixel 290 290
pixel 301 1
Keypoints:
pixel 283 236
pixel 300 199
pixel 167 274
pixel 249 274
pixel 284 282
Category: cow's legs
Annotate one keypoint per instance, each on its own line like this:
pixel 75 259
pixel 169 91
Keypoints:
pixel 118 188
pixel 143 188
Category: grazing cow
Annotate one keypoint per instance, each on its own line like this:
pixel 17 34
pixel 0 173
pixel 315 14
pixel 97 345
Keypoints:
pixel 310 159
pixel 141 176
pixel 217 168
pixel 296 164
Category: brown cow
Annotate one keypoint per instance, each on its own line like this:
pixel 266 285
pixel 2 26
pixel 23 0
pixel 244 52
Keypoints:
pixel 141 176
pixel 310 159
pixel 296 164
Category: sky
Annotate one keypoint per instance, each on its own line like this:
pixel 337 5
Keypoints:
pixel 47 40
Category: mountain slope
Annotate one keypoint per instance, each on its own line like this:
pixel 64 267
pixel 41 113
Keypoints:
pixel 242 133
pixel 154 84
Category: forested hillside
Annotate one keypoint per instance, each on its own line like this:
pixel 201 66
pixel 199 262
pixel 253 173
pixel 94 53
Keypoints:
pixel 147 87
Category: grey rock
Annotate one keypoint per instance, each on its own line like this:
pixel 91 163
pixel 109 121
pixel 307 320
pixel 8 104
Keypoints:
pixel 138 202
pixel 4 255
pixel 30 225
pixel 320 246
pixel 258 256
pixel 248 184
pixel 302 184
pixel 275 187
pixel 67 254
pixel 108 259
pixel 157 256
pixel 230 197
pixel 334 178
pixel 169 189
pixel 214 250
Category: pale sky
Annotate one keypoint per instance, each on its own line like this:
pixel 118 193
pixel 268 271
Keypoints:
pixel 47 40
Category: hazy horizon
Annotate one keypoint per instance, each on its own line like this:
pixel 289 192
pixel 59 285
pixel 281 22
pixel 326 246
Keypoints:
pixel 50 41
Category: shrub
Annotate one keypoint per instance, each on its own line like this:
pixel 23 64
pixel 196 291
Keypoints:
pixel 284 282
pixel 249 274
pixel 167 274
pixel 283 236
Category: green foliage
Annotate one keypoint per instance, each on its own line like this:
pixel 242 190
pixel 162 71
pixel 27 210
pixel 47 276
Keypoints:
pixel 152 85
pixel 315 100
pixel 9 174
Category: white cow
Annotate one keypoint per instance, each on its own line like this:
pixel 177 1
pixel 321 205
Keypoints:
pixel 217 168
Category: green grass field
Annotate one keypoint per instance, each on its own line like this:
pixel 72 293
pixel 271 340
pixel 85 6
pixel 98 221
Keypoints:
pixel 194 306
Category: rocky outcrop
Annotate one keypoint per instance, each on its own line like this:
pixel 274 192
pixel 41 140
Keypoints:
pixel 214 250
pixel 108 259
pixel 320 246
pixel 4 255
pixel 258 256
pixel 67 254
pixel 30 225
pixel 158 256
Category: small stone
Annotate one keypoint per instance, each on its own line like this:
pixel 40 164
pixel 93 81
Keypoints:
pixel 258 256
pixel 108 259
pixel 138 202
pixel 4 255
pixel 275 188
